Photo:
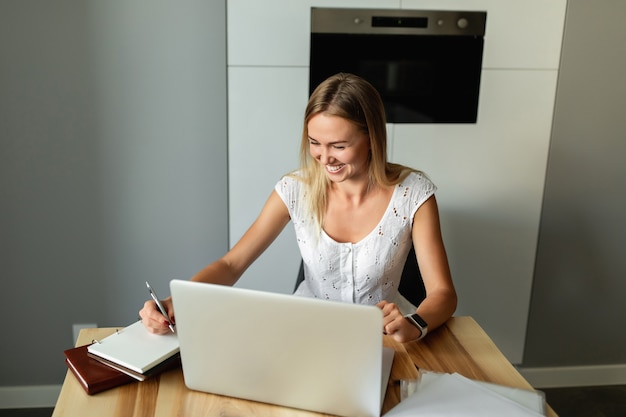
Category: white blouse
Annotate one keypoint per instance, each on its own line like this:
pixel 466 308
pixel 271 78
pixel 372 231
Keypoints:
pixel 365 272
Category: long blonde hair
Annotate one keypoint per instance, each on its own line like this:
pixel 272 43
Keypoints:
pixel 356 100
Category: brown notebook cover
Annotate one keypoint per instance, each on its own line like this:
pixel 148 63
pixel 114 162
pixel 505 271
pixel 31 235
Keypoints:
pixel 93 375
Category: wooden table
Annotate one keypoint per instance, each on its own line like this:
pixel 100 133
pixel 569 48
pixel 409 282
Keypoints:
pixel 459 346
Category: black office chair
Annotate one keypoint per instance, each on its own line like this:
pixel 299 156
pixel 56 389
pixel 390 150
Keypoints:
pixel 411 283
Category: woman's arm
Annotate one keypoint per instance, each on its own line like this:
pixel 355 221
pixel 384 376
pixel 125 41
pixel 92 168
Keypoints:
pixel 228 269
pixel 441 299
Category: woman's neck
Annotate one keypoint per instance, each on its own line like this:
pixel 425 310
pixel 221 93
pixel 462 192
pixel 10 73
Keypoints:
pixel 353 191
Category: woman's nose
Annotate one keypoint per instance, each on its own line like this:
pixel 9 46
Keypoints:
pixel 324 156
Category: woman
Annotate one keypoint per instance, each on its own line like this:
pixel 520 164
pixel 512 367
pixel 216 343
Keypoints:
pixel 355 216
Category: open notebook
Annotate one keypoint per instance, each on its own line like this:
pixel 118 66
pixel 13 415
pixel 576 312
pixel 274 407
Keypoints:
pixel 136 352
pixel 297 352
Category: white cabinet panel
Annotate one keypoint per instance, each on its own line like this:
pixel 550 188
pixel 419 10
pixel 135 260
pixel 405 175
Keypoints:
pixel 519 34
pixel 491 179
pixel 266 109
pixel 276 32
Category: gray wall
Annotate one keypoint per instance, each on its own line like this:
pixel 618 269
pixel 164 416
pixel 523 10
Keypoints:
pixel 112 165
pixel 578 308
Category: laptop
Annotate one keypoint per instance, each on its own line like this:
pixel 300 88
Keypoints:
pixel 292 351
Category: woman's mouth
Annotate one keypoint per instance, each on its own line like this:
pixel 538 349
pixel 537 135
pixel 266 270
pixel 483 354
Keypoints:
pixel 334 168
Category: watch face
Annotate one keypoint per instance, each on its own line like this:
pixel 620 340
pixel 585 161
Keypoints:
pixel 420 321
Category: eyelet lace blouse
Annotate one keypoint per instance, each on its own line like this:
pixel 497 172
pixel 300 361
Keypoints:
pixel 365 272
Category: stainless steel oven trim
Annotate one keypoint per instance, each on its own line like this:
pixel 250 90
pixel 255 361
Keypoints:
pixel 359 21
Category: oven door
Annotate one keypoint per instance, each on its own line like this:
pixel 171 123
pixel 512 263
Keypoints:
pixel 422 78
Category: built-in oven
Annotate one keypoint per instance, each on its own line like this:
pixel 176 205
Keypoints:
pixel 426 64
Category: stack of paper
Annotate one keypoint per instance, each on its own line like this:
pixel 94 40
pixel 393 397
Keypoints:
pixel 454 395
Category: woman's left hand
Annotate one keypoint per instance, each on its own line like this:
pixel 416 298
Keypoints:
pixel 395 325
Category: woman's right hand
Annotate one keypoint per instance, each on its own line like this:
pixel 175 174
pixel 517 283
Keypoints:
pixel 152 318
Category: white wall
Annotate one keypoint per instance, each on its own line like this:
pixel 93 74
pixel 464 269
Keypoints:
pixel 490 175
pixel 264 120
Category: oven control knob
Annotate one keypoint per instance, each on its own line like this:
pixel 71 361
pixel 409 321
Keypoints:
pixel 357 21
pixel 462 23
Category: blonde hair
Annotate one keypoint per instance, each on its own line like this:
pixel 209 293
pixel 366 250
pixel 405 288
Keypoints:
pixel 356 100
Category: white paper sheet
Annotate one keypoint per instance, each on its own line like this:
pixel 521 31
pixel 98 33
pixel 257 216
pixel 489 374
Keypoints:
pixel 454 395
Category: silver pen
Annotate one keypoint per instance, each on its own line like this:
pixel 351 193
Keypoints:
pixel 160 306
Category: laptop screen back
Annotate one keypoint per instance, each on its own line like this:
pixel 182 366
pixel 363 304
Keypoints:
pixel 297 352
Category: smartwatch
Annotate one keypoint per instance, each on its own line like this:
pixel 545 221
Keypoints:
pixel 418 322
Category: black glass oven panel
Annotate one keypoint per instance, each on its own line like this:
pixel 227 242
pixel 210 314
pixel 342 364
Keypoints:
pixel 422 79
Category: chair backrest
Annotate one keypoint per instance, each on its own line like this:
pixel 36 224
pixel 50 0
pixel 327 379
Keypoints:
pixel 411 283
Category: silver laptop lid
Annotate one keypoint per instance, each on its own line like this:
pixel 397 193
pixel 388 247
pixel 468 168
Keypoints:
pixel 297 352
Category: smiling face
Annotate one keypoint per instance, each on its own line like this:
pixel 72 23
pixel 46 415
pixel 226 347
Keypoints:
pixel 340 147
